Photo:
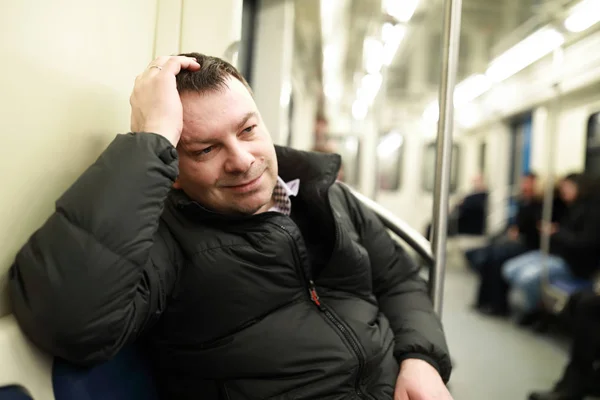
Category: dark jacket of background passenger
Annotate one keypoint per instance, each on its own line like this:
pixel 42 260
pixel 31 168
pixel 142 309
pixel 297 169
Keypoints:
pixel 529 216
pixel 222 301
pixel 578 238
pixel 472 214
pixel 527 219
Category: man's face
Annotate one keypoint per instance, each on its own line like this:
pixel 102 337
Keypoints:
pixel 568 191
pixel 528 187
pixel 227 160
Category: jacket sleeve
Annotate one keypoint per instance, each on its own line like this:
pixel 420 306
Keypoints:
pixel 402 294
pixel 99 270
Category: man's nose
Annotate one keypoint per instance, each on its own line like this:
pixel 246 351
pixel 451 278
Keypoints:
pixel 239 159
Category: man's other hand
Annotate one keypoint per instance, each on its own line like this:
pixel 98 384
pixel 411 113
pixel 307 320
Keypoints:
pixel 155 103
pixel 548 228
pixel 418 380
pixel 513 233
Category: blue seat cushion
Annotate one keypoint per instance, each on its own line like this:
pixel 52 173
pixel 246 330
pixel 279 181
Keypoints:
pixel 125 377
pixel 571 285
pixel 13 393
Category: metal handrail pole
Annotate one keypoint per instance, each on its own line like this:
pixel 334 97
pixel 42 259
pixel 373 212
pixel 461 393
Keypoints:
pixel 451 43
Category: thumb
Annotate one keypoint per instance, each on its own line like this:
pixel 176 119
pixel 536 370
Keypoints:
pixel 400 394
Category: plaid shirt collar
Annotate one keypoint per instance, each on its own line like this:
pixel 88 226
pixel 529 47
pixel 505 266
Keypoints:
pixel 282 193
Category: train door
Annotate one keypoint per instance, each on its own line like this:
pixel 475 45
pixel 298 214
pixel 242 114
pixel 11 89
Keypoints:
pixel 592 153
pixel 520 158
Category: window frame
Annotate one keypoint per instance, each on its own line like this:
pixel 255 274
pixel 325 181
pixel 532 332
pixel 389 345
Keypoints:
pixel 456 155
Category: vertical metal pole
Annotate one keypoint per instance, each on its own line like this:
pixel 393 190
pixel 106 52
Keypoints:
pixel 553 112
pixel 451 39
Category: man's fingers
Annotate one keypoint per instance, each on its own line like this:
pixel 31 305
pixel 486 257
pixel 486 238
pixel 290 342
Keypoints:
pixel 159 61
pixel 401 394
pixel 176 64
pixel 172 65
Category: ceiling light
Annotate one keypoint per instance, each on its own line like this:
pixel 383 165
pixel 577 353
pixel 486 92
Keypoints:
pixel 471 88
pixel 370 85
pixel 359 109
pixel 468 116
pixel 333 90
pixel 389 144
pixel 402 10
pixel 583 16
pixel 432 112
pixel 373 55
pixel 524 53
pixel 393 39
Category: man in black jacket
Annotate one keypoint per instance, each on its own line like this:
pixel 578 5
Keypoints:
pixel 520 237
pixel 246 269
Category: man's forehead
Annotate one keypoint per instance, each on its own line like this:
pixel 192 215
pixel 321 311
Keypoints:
pixel 205 129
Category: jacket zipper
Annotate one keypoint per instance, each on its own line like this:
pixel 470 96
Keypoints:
pixel 314 297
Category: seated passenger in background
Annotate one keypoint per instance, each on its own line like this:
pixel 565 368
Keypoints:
pixel 247 270
pixel 520 237
pixel 471 213
pixel 574 247
pixel 469 216
pixel 580 378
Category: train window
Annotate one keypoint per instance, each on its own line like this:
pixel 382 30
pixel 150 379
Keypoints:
pixel 428 174
pixel 592 154
pixel 389 159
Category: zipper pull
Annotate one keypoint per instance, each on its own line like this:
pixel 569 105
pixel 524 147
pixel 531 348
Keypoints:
pixel 314 296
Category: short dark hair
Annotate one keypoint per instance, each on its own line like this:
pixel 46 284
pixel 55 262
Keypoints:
pixel 530 175
pixel 212 75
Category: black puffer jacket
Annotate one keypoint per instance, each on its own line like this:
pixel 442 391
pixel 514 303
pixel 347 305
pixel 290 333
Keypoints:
pixel 228 298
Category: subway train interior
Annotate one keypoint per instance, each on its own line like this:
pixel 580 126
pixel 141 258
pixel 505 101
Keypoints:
pixel 363 79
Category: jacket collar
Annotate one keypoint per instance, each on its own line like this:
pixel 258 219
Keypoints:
pixel 316 171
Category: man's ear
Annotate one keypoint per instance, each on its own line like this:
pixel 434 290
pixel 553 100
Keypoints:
pixel 176 184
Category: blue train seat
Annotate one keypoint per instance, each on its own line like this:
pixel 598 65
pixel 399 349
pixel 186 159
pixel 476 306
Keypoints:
pixel 13 393
pixel 27 373
pixel 570 286
pixel 126 377
pixel 557 292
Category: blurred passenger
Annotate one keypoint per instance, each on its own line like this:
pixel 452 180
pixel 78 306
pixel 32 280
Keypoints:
pixel 470 214
pixel 574 247
pixel 520 237
pixel 580 378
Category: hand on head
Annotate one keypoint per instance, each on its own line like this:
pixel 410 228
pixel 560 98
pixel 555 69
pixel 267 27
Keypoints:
pixel 155 102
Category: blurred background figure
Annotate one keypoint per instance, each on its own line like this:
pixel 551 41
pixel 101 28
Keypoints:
pixel 581 376
pixel 469 216
pixel 574 247
pixel 518 238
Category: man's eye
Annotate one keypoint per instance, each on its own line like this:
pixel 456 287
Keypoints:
pixel 249 129
pixel 204 151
